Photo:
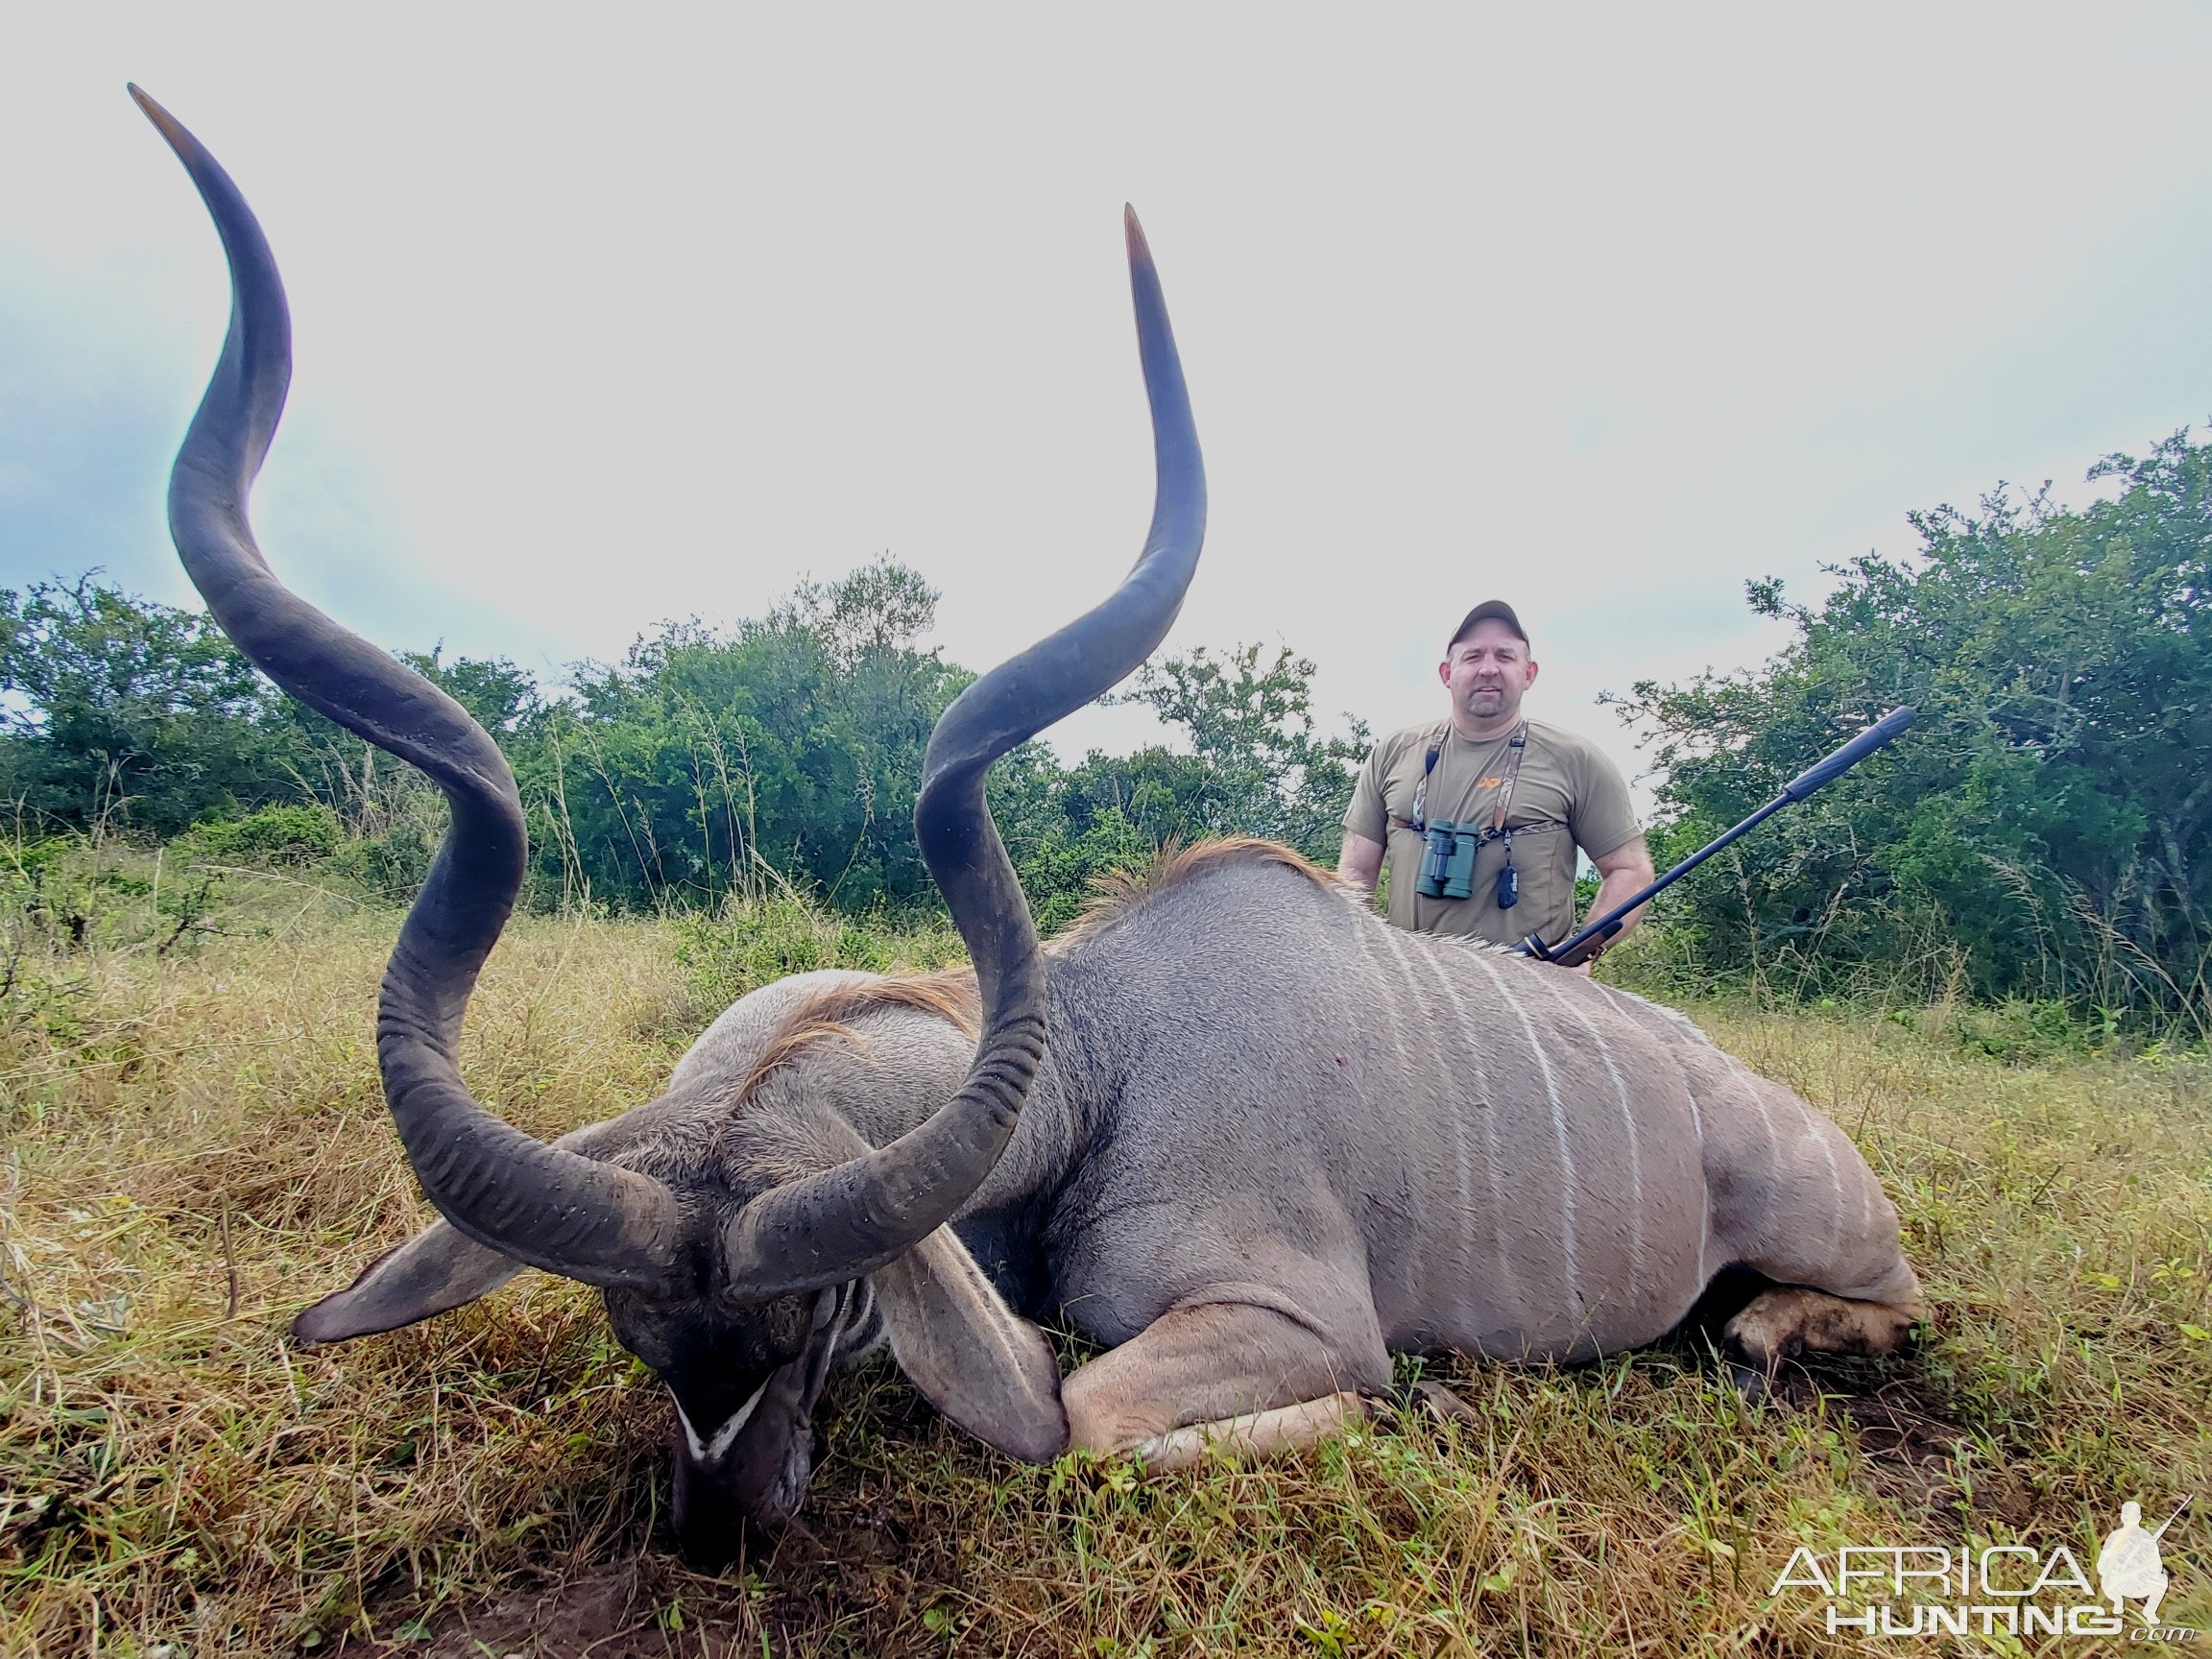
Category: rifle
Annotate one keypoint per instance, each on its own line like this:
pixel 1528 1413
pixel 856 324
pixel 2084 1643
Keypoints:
pixel 1581 945
pixel 2171 1519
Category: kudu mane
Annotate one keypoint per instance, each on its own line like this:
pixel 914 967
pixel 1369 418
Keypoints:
pixel 950 993
pixel 1121 893
pixel 826 1017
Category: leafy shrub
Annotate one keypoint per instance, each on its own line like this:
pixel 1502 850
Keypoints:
pixel 1059 866
pixel 25 859
pixel 752 942
pixel 2045 816
pixel 69 892
pixel 2025 1031
pixel 128 714
pixel 297 834
pixel 392 865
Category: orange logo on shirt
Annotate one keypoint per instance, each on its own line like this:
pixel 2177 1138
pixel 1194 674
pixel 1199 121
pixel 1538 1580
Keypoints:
pixel 1490 782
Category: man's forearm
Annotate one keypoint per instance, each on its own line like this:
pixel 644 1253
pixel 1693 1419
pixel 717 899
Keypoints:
pixel 1616 889
pixel 1361 862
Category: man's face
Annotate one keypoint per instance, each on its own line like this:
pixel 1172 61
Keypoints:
pixel 1487 672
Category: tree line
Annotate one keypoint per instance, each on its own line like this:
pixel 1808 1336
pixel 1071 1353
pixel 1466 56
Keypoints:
pixel 783 750
pixel 2042 830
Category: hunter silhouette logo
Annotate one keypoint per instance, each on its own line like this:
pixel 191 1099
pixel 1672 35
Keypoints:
pixel 2128 1568
pixel 2016 1589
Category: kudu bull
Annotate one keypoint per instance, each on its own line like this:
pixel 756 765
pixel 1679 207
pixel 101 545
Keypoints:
pixel 1232 1127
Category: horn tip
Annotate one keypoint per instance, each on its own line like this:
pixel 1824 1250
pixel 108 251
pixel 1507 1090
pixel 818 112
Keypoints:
pixel 169 127
pixel 1140 251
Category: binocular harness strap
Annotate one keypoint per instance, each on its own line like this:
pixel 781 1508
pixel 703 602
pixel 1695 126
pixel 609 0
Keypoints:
pixel 1420 821
pixel 1519 745
pixel 1447 844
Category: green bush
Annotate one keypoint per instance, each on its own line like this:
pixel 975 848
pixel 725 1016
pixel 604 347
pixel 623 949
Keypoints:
pixel 392 865
pixel 2042 829
pixel 2024 1031
pixel 296 835
pixel 754 941
pixel 127 715
pixel 69 892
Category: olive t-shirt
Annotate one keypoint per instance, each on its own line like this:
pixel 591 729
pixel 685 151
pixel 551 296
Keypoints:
pixel 1568 795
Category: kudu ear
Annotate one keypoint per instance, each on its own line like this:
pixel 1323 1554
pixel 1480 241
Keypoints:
pixel 440 1269
pixel 973 1357
pixel 433 1272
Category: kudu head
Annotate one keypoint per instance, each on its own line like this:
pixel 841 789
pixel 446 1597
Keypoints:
pixel 733 1288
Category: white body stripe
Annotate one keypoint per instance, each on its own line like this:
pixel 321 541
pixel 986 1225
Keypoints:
pixel 1745 1084
pixel 1630 1005
pixel 1408 1071
pixel 1704 1188
pixel 1416 974
pixel 1567 1230
pixel 1628 1120
pixel 1835 1173
pixel 1500 1250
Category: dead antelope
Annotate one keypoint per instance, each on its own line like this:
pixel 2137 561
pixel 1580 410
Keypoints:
pixel 1232 1127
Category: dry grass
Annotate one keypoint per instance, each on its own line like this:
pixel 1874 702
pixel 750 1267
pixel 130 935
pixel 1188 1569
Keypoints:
pixel 195 1146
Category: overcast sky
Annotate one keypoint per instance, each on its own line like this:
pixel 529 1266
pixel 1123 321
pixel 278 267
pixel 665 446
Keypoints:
pixel 1600 312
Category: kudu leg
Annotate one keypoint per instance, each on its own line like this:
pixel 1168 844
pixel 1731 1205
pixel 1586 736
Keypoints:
pixel 1222 1374
pixel 1806 1211
pixel 1780 1323
pixel 1863 1299
pixel 1262 1435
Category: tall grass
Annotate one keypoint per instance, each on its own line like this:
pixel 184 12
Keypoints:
pixel 196 1146
pixel 2078 968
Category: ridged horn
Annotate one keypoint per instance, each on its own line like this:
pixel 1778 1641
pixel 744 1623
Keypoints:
pixel 538 1204
pixel 849 1220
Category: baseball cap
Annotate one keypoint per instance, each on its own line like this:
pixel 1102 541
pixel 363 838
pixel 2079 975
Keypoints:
pixel 1490 610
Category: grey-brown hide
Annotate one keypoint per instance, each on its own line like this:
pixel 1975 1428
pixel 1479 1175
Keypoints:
pixel 1257 1096
pixel 1254 1088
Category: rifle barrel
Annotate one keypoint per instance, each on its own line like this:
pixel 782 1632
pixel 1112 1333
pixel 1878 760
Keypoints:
pixel 1817 776
pixel 2171 1519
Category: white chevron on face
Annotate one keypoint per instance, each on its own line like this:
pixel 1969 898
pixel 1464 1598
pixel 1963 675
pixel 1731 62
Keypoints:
pixel 710 1453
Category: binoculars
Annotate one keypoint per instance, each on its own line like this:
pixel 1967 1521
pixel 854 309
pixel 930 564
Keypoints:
pixel 1448 864
pixel 1448 860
